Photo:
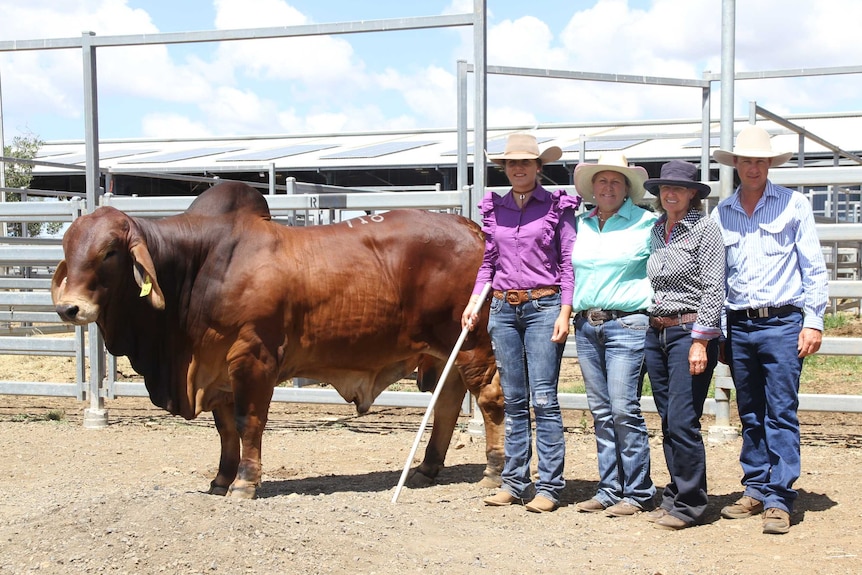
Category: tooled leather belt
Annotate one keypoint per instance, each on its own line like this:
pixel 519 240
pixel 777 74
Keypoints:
pixel 598 316
pixel 519 296
pixel 661 322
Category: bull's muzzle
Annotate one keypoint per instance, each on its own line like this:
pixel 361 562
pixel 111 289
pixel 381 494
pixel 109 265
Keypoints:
pixel 68 312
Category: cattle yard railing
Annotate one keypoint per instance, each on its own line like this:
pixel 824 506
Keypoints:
pixel 25 298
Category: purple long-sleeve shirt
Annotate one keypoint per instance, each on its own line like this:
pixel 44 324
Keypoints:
pixel 528 248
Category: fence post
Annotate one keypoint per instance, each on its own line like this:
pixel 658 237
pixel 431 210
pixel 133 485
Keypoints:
pixel 722 431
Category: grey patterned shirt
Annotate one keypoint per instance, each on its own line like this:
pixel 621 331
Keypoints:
pixel 687 272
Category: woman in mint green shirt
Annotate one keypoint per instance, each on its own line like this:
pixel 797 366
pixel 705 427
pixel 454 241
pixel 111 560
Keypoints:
pixel 612 293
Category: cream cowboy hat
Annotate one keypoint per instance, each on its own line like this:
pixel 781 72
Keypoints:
pixel 525 147
pixel 615 162
pixel 752 142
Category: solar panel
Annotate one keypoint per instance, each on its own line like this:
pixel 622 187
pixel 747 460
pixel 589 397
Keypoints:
pixel 376 150
pixel 714 142
pixel 181 155
pixel 495 146
pixel 281 152
pixel 603 145
pixel 80 158
pixel 43 154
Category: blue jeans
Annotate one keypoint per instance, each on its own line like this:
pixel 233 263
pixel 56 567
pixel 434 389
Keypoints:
pixel 763 361
pixel 679 398
pixel 529 366
pixel 611 357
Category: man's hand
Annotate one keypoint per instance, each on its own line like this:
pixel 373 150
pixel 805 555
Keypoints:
pixel 809 341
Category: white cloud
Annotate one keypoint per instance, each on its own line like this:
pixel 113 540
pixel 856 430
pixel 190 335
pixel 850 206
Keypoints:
pixel 168 126
pixel 323 84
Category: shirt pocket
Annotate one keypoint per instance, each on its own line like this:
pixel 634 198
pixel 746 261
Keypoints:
pixel 731 246
pixel 777 236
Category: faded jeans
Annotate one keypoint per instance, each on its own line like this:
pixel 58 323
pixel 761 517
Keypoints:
pixel 529 366
pixel 611 357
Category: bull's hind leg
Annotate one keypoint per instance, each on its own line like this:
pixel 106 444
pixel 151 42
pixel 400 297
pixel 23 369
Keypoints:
pixel 489 398
pixel 446 413
pixel 229 460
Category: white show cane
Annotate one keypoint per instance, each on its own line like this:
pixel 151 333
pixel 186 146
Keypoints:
pixel 436 394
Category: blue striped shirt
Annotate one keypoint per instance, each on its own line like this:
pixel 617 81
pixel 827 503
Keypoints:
pixel 774 257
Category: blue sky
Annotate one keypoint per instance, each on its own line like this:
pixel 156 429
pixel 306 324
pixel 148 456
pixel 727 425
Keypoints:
pixel 406 80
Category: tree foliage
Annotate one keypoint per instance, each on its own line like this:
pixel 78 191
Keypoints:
pixel 19 176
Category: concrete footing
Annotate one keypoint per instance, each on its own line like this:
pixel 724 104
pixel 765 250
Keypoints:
pixel 95 418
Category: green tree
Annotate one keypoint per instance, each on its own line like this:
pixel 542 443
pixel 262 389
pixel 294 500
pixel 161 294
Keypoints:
pixel 19 176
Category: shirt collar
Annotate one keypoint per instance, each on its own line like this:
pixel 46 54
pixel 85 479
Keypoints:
pixel 540 194
pixel 769 190
pixel 690 218
pixel 626 210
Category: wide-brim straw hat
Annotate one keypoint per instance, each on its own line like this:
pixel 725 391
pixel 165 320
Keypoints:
pixel 525 147
pixel 614 162
pixel 678 173
pixel 752 142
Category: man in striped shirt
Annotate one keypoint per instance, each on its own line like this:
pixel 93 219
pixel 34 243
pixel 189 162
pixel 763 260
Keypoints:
pixel 776 298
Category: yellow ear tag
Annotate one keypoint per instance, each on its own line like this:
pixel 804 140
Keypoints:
pixel 147 286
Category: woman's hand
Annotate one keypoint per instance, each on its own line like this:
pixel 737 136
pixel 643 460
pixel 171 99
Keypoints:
pixel 697 356
pixel 468 317
pixel 561 325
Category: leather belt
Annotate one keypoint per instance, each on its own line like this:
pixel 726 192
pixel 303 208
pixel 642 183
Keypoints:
pixel 519 296
pixel 661 322
pixel 759 313
pixel 598 316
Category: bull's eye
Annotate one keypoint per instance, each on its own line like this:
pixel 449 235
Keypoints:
pixel 110 254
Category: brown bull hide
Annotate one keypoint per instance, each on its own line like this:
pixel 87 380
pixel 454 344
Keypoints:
pixel 218 305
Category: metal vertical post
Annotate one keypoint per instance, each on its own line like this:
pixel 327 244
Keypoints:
pixel 722 431
pixel 272 178
pixel 2 164
pixel 476 425
pixel 96 416
pixel 705 139
pixel 480 73
pixel 461 129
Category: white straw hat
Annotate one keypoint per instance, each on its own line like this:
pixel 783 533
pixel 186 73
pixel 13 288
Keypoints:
pixel 752 142
pixel 525 147
pixel 615 162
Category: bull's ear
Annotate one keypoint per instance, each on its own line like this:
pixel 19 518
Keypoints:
pixel 145 275
pixel 58 281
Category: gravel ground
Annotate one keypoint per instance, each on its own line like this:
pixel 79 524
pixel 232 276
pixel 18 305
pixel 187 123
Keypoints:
pixel 131 498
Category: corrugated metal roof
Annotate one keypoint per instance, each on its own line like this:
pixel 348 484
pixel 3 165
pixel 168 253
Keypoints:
pixel 640 141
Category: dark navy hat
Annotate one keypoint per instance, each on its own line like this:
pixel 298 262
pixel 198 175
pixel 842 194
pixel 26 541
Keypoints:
pixel 678 173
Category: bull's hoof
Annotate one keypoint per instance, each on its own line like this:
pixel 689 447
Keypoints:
pixel 417 479
pixel 491 481
pixel 242 491
pixel 217 489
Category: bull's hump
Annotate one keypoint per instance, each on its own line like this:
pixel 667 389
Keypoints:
pixel 230 198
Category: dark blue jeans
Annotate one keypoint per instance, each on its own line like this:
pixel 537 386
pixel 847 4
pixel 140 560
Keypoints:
pixel 529 366
pixel 679 398
pixel 763 361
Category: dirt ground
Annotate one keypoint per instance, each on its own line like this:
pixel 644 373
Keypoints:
pixel 131 498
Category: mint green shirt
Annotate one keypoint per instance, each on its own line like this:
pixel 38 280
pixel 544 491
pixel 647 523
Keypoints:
pixel 610 264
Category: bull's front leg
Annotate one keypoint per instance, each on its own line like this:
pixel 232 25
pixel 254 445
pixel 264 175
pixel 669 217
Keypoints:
pixel 229 459
pixel 252 372
pixel 251 411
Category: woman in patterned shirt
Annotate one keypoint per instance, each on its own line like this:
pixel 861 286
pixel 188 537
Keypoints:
pixel 686 269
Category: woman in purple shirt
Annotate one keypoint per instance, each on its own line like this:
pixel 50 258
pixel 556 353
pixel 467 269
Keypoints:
pixel 529 234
